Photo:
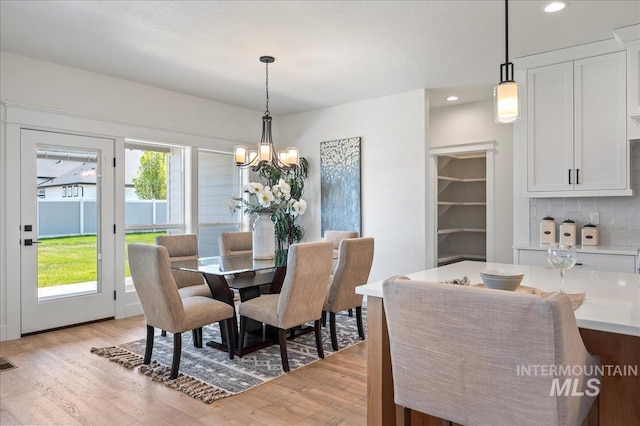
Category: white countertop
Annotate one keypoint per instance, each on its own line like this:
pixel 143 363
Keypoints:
pixel 612 301
pixel 626 250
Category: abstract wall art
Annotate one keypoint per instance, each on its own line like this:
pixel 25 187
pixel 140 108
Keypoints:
pixel 340 185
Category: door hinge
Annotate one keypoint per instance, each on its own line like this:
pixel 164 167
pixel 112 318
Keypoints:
pixel 114 295
pixel 114 161
pixel 114 228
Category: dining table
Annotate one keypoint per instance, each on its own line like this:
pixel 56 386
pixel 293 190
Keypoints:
pixel 608 320
pixel 246 275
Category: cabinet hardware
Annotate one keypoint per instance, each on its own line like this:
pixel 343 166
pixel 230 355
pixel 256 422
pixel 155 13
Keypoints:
pixel 577 176
pixel 569 176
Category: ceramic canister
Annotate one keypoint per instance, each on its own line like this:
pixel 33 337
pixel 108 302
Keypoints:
pixel 590 235
pixel 548 231
pixel 568 232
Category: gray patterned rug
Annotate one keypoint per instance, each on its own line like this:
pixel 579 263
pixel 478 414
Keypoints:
pixel 208 374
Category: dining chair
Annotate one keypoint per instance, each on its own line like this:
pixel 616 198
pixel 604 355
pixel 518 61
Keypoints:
pixel 353 267
pixel 185 247
pixel 335 237
pixel 469 355
pixel 164 308
pixel 235 243
pixel 300 299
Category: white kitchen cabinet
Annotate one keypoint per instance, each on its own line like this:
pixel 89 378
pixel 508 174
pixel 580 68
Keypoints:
pixel 598 258
pixel 576 127
pixel 633 90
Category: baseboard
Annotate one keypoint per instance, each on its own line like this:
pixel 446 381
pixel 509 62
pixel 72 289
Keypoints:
pixel 133 310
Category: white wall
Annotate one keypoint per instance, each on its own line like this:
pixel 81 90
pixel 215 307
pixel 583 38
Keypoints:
pixel 34 82
pixel 96 104
pixel 473 122
pixel 392 168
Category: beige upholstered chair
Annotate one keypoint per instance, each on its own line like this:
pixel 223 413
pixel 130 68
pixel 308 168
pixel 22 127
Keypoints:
pixel 336 236
pixel 462 353
pixel 354 264
pixel 300 300
pixel 185 247
pixel 235 243
pixel 164 308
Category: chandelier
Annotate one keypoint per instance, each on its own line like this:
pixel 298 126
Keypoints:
pixel 266 155
pixel 505 94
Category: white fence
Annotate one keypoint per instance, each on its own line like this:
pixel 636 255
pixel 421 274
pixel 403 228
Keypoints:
pixel 57 218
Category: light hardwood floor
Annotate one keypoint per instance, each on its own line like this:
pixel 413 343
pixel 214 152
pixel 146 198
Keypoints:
pixel 58 381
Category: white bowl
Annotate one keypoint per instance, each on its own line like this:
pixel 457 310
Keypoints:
pixel 499 279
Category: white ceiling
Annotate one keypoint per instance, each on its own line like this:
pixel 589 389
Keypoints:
pixel 327 52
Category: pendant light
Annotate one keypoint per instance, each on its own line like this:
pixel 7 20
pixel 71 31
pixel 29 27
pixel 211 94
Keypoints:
pixel 266 154
pixel 505 94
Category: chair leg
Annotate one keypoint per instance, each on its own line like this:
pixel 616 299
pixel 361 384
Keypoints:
pixel 282 338
pixel 243 331
pixel 332 326
pixel 197 337
pixel 359 322
pixel 149 346
pixel 177 351
pixel 318 330
pixel 231 344
pixel 164 333
pixel 324 318
pixel 350 312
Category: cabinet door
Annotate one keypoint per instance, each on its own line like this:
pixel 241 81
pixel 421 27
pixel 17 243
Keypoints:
pixel 550 128
pixel 600 122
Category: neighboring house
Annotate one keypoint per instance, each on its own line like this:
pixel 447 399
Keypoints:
pixel 73 179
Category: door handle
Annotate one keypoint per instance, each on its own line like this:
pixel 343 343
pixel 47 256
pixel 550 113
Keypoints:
pixel 30 242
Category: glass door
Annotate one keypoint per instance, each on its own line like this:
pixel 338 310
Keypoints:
pixel 67 229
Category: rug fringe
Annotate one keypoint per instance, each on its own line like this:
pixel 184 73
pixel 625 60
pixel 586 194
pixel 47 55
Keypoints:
pixel 121 356
pixel 195 388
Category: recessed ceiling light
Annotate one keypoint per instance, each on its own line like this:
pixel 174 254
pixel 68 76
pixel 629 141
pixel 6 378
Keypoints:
pixel 452 98
pixel 555 6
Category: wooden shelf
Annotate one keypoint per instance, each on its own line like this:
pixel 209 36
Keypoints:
pixel 462 203
pixel 454 230
pixel 454 179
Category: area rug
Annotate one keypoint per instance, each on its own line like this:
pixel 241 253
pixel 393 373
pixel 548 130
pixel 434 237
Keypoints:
pixel 208 374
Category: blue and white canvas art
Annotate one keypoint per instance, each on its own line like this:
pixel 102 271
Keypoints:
pixel 340 185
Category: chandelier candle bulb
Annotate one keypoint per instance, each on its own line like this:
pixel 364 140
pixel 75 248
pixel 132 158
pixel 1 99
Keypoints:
pixel 548 231
pixel 292 156
pixel 240 153
pixel 282 156
pixel 568 232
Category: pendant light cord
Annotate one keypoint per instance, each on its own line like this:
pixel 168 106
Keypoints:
pixel 266 112
pixel 506 30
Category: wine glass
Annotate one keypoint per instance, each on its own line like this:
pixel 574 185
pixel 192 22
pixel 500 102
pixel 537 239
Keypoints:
pixel 562 257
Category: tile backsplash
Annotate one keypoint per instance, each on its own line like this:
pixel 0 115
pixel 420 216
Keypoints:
pixel 619 216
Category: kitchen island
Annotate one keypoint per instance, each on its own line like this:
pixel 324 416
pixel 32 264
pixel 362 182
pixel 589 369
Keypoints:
pixel 608 319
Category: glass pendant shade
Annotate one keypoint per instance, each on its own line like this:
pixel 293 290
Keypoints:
pixel 506 102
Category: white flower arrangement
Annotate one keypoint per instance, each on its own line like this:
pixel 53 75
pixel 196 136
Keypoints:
pixel 265 199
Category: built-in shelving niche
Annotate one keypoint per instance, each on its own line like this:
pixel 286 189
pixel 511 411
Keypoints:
pixel 461 197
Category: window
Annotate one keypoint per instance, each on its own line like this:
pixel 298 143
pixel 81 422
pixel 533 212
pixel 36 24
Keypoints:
pixel 218 180
pixel 154 188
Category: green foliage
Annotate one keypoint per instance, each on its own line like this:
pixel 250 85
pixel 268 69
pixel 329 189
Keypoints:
pixel 150 182
pixel 287 230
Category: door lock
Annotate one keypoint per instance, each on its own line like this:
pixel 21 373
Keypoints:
pixel 30 242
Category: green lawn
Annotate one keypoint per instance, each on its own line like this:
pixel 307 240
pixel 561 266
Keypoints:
pixel 70 260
